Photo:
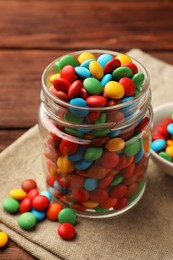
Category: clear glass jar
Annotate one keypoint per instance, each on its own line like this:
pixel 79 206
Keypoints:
pixel 97 168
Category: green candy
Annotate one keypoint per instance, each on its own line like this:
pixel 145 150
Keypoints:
pixel 73 118
pixel 122 72
pixel 92 86
pixel 27 220
pixel 138 80
pixel 100 132
pixel 73 132
pixel 67 215
pixel 57 67
pixel 165 156
pixel 132 148
pixel 10 205
pixel 117 180
pixel 93 153
pixel 101 210
pixel 102 119
pixel 67 60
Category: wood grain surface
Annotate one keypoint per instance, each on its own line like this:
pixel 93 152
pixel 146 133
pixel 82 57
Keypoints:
pixel 35 32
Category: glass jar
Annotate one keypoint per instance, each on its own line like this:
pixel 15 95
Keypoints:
pixel 97 167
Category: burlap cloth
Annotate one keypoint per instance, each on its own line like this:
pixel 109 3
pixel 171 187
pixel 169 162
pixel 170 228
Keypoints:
pixel 146 232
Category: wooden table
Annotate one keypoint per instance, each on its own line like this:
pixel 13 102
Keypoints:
pixel 35 32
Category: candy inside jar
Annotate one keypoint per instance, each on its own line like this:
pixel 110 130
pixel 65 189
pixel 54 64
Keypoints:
pixel 95 123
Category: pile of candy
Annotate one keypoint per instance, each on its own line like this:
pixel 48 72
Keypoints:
pixel 34 206
pixel 162 140
pixel 104 171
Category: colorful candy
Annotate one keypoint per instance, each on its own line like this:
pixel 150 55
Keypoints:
pixel 27 220
pixel 10 205
pixel 162 142
pixel 66 231
pixel 99 160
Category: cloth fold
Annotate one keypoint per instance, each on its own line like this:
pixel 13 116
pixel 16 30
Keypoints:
pixel 143 233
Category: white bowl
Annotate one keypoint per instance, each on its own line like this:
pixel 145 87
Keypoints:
pixel 160 113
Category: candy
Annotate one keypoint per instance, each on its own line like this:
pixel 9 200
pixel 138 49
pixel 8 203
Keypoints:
pixel 138 79
pixel 39 214
pixel 65 165
pixel 40 202
pixel 170 128
pixel 115 144
pixel 3 239
pixel 79 102
pixel 85 56
pixel 74 89
pixel 96 69
pixel 10 205
pixel 92 86
pixel 128 85
pixel 28 185
pixel 32 193
pixel 114 90
pixel 67 60
pixel 27 220
pixel 158 145
pixel 104 58
pixel 67 215
pixel 96 101
pixel 123 58
pixel 90 184
pixel 122 72
pixel 61 84
pixel 53 211
pixel 111 65
pixel 68 73
pixel 66 231
pixel 17 194
pixel 82 72
pixel 25 205
pixel 93 153
pixel 132 148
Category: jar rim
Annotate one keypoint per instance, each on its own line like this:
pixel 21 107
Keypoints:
pixel 101 109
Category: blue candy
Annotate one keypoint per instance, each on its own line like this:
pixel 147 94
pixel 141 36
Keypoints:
pixel 40 215
pixel 83 165
pixel 139 155
pixel 46 194
pixel 80 102
pixel 86 63
pixel 106 78
pixel 82 72
pixel 90 184
pixel 77 156
pixel 170 128
pixel 158 145
pixel 115 133
pixel 104 58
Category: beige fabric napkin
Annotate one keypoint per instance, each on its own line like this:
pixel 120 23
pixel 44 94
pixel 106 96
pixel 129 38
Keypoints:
pixel 146 232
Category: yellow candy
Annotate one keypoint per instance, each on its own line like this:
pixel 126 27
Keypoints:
pixel 115 144
pixel 169 150
pixel 96 69
pixel 90 204
pixel 123 58
pixel 17 194
pixel 114 90
pixel 85 56
pixel 169 142
pixel 65 165
pixel 3 239
pixel 54 76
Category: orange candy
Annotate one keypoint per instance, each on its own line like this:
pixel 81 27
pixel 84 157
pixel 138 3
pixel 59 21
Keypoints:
pixel 53 211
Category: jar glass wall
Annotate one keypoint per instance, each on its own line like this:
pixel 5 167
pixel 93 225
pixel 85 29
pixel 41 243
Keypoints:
pixel 96 166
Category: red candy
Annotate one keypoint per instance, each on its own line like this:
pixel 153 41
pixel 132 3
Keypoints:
pixel 66 231
pixel 32 194
pixel 121 203
pixel 131 66
pixel 68 73
pixel 92 116
pixel 74 89
pixel 99 195
pixel 128 85
pixel 40 202
pixel 61 84
pixel 111 66
pixel 128 171
pixel 96 101
pixel 25 205
pixel 118 191
pixel 80 195
pixel 109 160
pixel 28 185
pixel 60 94
pixel 67 147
